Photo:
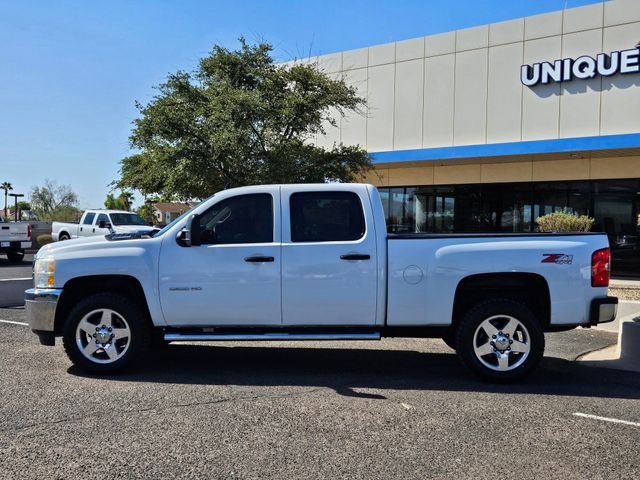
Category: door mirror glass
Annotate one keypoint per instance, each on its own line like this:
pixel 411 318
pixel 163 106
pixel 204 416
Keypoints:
pixel 191 237
pixel 104 224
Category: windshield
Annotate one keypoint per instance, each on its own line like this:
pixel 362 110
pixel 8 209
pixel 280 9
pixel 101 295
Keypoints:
pixel 126 219
pixel 162 232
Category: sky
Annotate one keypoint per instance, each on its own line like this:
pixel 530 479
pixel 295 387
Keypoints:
pixel 71 71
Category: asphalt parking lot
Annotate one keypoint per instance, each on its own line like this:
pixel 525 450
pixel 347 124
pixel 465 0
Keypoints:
pixel 16 270
pixel 399 408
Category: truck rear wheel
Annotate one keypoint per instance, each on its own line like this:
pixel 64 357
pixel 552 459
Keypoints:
pixel 63 236
pixel 105 332
pixel 500 340
pixel 15 256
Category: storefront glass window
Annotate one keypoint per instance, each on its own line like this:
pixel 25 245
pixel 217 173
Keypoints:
pixel 615 205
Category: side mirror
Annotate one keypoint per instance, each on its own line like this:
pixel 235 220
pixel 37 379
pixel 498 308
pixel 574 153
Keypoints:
pixel 103 224
pixel 192 231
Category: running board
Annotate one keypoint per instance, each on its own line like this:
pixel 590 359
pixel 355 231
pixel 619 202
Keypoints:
pixel 190 337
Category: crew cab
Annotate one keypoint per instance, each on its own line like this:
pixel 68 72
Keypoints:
pixel 15 238
pixel 100 223
pixel 315 262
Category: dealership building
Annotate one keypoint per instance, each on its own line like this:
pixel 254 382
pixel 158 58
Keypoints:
pixel 487 128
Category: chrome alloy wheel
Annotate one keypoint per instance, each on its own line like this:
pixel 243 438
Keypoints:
pixel 103 336
pixel 501 343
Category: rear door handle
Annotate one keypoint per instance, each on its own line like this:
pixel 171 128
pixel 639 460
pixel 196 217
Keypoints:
pixel 355 256
pixel 258 259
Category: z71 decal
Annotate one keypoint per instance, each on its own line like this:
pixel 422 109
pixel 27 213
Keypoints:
pixel 559 258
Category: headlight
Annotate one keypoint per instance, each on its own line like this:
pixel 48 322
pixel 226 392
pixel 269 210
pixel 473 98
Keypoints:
pixel 44 273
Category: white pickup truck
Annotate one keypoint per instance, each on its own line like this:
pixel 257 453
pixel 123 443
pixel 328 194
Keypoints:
pixel 100 223
pixel 15 238
pixel 314 262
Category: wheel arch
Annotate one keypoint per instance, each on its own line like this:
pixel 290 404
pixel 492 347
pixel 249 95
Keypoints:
pixel 529 288
pixel 77 288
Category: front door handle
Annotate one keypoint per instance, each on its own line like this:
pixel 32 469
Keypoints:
pixel 355 256
pixel 258 259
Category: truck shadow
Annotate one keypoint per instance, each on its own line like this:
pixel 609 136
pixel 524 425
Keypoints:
pixel 346 370
pixel 5 263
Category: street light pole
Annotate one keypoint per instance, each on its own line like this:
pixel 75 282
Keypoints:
pixel 15 196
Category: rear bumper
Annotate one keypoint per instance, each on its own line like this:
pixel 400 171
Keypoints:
pixel 40 305
pixel 603 310
pixel 13 246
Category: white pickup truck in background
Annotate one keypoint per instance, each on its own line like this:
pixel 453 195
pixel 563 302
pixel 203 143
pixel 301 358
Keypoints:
pixel 15 238
pixel 315 262
pixel 101 222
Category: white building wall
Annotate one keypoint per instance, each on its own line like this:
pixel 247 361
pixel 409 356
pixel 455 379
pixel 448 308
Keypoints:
pixel 463 87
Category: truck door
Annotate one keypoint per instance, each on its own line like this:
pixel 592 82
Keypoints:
pixel 85 229
pixel 329 258
pixel 233 278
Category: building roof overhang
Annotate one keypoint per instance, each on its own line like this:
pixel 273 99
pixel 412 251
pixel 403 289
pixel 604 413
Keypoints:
pixel 556 149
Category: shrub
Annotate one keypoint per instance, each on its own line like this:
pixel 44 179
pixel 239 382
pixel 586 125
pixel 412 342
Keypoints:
pixel 564 222
pixel 44 239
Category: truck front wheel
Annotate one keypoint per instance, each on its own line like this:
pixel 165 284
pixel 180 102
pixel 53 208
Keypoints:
pixel 105 332
pixel 501 340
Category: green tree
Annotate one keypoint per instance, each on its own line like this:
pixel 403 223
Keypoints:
pixel 24 206
pixel 52 202
pixel 240 119
pixel 146 211
pixel 111 202
pixel 126 199
pixel 6 186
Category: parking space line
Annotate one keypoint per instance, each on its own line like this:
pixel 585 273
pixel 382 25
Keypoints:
pixel 607 419
pixel 13 279
pixel 14 323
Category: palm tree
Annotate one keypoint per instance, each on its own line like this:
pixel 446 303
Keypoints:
pixel 125 199
pixel 6 186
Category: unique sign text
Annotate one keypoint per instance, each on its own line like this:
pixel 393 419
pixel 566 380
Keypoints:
pixel 585 67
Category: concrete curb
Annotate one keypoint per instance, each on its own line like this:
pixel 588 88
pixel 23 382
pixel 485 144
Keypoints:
pixel 12 291
pixel 625 355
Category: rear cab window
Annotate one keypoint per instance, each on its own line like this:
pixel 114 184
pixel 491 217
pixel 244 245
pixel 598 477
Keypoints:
pixel 88 218
pixel 326 217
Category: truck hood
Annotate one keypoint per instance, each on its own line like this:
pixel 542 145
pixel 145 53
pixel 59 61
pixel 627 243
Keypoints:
pixel 77 244
pixel 133 228
pixel 89 244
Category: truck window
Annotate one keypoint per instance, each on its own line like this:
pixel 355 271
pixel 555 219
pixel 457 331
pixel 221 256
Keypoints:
pixel 326 217
pixel 88 218
pixel 240 219
pixel 102 218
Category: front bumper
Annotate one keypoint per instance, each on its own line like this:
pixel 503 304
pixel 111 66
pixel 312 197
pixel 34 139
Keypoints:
pixel 40 305
pixel 603 310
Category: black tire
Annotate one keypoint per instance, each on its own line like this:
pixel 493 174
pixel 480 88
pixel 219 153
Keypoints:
pixel 63 236
pixel 519 364
pixel 15 257
pixel 130 311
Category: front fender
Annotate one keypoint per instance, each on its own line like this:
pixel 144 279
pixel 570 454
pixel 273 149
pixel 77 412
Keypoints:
pixel 127 258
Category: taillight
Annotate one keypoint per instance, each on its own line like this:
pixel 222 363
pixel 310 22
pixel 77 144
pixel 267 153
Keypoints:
pixel 600 268
pixel 29 231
